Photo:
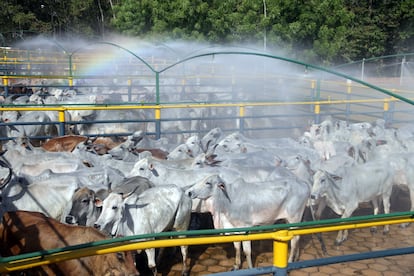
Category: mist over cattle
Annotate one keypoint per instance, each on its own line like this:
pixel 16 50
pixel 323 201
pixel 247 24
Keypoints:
pixel 175 111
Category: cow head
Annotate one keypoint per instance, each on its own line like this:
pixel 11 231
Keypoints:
pixel 144 167
pixel 208 187
pixel 112 212
pixel 84 207
pixel 323 182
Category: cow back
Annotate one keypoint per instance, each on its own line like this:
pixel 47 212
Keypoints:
pixel 25 232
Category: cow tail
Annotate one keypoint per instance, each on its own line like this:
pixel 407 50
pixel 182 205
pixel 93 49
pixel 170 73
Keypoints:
pixel 318 235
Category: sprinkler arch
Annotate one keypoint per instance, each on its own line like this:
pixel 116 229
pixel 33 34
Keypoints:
pixel 306 65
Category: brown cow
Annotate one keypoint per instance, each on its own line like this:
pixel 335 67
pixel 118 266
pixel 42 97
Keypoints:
pixel 24 232
pixel 63 143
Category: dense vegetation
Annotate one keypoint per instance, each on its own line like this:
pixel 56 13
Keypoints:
pixel 317 31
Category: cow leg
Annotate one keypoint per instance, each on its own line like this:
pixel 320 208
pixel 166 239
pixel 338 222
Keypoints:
pixel 411 190
pixel 343 234
pixel 386 203
pixel 184 252
pixel 247 249
pixel 237 259
pixel 294 249
pixel 375 204
pixel 151 260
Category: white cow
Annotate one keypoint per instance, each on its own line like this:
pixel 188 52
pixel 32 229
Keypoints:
pixel 34 163
pixel 32 124
pixel 182 151
pixel 159 173
pixel 48 196
pixel 210 139
pixel 368 182
pixel 242 204
pixel 155 210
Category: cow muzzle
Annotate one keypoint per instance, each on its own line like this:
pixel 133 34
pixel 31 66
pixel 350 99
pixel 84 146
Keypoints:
pixel 314 196
pixel 190 194
pixel 70 219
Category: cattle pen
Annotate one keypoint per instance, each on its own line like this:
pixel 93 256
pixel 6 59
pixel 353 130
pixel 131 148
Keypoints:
pixel 173 96
pixel 259 94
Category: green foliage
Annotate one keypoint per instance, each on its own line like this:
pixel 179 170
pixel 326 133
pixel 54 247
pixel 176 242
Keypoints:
pixel 318 31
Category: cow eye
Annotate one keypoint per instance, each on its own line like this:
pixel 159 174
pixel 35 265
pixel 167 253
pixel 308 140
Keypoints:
pixel 141 169
pixel 120 256
pixel 86 200
pixel 114 207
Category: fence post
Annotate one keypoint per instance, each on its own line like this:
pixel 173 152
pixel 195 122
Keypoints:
pixel 280 252
pixel 242 110
pixel 317 97
pixel 6 85
pixel 157 123
pixel 61 118
pixel 348 97
pixel 317 111
pixel 129 83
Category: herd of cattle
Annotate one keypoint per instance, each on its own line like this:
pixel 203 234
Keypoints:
pixel 141 186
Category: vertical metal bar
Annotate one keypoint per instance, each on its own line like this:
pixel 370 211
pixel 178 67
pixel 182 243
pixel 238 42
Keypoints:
pixel 158 123
pixel 402 70
pixel 70 71
pixel 317 111
pixel 157 87
pixel 29 67
pixel 348 97
pixel 6 85
pixel 242 110
pixel 157 110
pixel 61 118
pixel 363 69
pixel 312 94
pixel 280 252
pixel 317 98
pixel 129 82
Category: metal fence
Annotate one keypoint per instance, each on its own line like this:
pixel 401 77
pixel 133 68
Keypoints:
pixel 281 234
pixel 258 94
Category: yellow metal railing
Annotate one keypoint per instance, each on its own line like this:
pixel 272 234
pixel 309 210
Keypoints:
pixel 280 238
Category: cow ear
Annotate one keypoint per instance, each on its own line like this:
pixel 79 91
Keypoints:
pixel 222 187
pixel 151 166
pixel 98 202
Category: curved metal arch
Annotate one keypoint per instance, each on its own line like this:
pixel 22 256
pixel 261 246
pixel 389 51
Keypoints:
pixel 306 65
pixel 118 46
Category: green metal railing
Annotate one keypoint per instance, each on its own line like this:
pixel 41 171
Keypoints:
pixel 281 234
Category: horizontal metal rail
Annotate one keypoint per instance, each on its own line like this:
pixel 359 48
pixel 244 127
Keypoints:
pixel 281 234
pixel 184 105
pixel 157 118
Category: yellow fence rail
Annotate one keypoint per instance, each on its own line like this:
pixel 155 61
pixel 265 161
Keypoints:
pixel 281 236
